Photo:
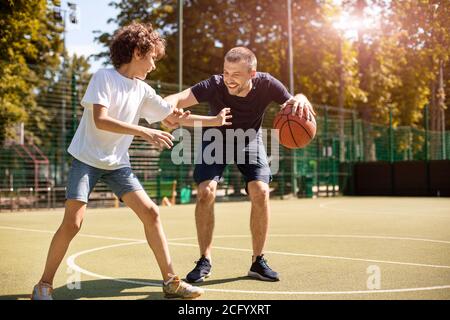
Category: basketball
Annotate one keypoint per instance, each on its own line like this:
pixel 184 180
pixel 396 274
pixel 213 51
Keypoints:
pixel 294 132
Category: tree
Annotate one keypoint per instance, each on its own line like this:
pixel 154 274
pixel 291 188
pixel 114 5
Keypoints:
pixel 30 45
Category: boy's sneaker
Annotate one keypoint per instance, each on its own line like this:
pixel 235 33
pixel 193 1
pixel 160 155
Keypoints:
pixel 176 288
pixel 261 270
pixel 201 271
pixel 42 291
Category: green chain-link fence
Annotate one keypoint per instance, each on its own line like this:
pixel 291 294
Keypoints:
pixel 33 173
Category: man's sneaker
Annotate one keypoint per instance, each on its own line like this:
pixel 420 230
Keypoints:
pixel 42 291
pixel 176 288
pixel 201 271
pixel 262 271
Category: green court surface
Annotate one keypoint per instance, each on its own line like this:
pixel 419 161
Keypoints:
pixel 329 248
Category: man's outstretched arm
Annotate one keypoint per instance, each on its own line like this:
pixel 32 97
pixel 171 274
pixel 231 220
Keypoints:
pixel 183 99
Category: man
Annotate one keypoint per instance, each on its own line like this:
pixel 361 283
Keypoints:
pixel 247 93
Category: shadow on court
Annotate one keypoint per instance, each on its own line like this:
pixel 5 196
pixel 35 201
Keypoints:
pixel 15 297
pixel 210 282
pixel 106 289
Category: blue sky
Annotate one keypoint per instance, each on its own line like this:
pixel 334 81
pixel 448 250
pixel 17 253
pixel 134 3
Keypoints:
pixel 93 15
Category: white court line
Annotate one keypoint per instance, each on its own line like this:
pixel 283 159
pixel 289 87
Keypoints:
pixel 243 236
pixel 319 256
pixel 84 235
pixel 80 234
pixel 72 264
pixel 329 205
pixel 307 235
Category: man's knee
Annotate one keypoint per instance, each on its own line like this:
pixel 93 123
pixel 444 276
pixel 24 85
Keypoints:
pixel 206 192
pixel 259 192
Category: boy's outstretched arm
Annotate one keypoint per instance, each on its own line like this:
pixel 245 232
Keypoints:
pixel 105 122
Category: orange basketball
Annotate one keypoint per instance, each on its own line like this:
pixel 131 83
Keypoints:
pixel 294 132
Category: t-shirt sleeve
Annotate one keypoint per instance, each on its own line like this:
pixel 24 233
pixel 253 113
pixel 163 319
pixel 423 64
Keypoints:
pixel 204 90
pixel 278 91
pixel 154 108
pixel 98 91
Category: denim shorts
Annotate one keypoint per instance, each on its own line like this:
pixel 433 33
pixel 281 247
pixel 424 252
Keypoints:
pixel 83 178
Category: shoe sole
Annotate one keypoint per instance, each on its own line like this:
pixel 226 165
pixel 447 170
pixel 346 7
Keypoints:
pixel 174 296
pixel 260 277
pixel 199 279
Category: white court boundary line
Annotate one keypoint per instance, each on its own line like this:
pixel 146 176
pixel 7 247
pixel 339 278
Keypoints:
pixel 72 264
pixel 330 205
pixel 71 261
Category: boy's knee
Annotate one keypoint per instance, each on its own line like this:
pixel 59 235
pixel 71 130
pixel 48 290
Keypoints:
pixel 72 227
pixel 151 214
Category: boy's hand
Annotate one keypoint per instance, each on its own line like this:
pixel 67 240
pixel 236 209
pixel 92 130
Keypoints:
pixel 159 138
pixel 173 120
pixel 223 116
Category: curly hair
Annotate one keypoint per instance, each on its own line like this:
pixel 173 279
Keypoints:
pixel 135 36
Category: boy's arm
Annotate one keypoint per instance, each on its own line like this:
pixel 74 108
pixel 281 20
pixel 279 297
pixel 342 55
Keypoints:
pixel 191 120
pixel 104 122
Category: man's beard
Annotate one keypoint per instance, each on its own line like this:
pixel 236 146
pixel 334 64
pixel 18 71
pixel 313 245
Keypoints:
pixel 242 88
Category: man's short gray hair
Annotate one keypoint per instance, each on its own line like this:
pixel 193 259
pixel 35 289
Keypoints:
pixel 238 54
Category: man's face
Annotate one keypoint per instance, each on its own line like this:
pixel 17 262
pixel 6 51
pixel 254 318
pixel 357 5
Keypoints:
pixel 237 77
pixel 145 64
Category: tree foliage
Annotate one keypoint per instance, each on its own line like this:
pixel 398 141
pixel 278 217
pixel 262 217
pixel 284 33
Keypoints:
pixel 30 45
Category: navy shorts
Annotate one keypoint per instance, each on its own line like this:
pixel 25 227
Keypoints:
pixel 83 178
pixel 251 160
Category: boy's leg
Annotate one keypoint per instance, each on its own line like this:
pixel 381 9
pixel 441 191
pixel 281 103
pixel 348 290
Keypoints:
pixel 148 213
pixel 128 188
pixel 71 224
pixel 80 182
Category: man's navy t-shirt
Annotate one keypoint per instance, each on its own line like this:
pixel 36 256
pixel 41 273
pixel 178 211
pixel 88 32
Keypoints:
pixel 248 111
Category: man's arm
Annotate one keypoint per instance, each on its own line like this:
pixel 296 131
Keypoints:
pixel 299 105
pixel 104 122
pixel 183 99
pixel 191 120
pixel 281 95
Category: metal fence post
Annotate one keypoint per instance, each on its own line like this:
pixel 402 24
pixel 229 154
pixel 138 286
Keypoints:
pixel 426 134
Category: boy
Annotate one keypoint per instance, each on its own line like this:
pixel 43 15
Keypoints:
pixel 114 102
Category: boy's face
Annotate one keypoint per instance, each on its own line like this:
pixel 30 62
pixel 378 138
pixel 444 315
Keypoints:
pixel 237 76
pixel 144 64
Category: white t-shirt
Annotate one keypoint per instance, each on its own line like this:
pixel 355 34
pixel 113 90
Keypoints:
pixel 127 100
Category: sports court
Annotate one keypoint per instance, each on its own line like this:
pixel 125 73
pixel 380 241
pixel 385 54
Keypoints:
pixel 324 248
pixel 349 100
